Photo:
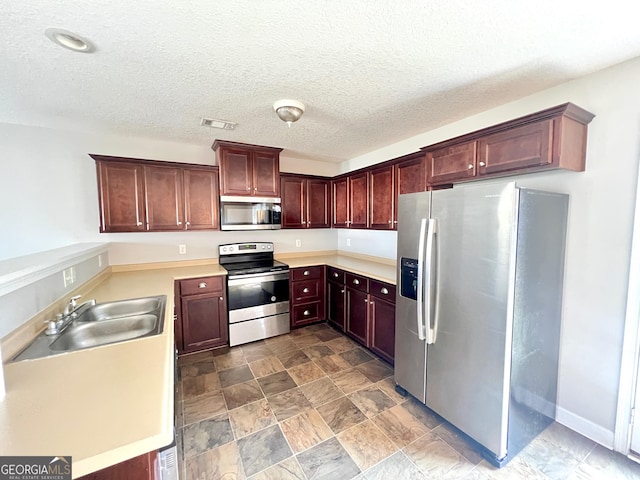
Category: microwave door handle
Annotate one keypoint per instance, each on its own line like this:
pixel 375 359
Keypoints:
pixel 420 287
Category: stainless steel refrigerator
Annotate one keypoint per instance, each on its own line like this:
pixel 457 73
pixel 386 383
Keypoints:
pixel 478 309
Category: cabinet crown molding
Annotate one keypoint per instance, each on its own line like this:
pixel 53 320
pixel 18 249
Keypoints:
pixel 225 143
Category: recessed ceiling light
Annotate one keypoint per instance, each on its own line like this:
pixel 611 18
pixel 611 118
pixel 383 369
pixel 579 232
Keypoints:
pixel 213 123
pixel 69 40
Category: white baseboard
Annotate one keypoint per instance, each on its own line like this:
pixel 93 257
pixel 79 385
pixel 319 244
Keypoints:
pixel 585 427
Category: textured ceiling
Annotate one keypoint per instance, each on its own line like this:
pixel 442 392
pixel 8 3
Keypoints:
pixel 370 72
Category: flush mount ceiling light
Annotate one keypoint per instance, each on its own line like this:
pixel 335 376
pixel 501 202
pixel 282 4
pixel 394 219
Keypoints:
pixel 69 40
pixel 289 110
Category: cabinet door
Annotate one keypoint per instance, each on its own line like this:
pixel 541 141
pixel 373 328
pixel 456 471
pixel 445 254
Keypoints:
pixel 266 174
pixel 140 468
pixel 201 199
pixel 340 203
pixel 204 321
pixel 236 174
pixel 357 318
pixel 381 198
pixel 317 204
pixel 121 189
pixel 451 164
pixel 293 202
pixel 358 200
pixel 335 304
pixel 523 147
pixel 164 198
pixel 411 177
pixel 383 328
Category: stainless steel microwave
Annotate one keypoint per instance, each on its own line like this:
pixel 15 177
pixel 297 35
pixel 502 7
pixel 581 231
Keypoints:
pixel 250 213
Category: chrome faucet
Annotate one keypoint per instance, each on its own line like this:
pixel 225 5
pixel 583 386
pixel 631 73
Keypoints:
pixel 61 321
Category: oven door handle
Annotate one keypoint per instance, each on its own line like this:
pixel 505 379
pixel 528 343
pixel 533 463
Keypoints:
pixel 261 277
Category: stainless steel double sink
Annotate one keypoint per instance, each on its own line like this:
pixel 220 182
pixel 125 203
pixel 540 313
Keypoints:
pixel 102 324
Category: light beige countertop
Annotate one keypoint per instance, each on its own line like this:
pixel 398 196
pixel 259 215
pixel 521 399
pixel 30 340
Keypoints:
pixel 100 405
pixel 373 267
pixel 107 404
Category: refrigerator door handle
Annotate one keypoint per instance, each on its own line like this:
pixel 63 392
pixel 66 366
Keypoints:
pixel 432 282
pixel 420 286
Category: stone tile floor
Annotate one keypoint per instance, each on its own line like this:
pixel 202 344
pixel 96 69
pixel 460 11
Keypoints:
pixel 314 405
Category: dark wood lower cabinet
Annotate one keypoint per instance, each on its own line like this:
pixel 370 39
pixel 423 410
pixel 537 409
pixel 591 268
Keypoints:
pixel 357 318
pixel 138 468
pixel 382 336
pixel 336 295
pixel 201 307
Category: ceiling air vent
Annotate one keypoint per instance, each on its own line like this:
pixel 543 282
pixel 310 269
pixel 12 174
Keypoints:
pixel 213 123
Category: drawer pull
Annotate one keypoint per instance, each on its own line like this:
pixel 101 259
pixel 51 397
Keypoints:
pixel 202 285
pixel 306 273
pixel 335 274
pixel 384 291
pixel 356 281
pixel 306 313
pixel 305 290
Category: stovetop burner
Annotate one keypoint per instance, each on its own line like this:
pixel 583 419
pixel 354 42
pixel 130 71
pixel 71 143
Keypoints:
pixel 249 258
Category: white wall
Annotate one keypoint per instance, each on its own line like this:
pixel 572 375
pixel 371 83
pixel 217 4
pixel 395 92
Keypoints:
pixel 599 233
pixel 49 197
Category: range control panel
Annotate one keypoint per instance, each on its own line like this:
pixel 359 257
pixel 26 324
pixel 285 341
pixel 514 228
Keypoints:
pixel 239 248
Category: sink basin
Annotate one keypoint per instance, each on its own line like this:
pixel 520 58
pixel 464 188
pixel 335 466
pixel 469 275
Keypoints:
pixel 112 330
pixel 123 308
pixel 102 324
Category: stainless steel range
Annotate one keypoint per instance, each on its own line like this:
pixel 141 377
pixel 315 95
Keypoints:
pixel 258 292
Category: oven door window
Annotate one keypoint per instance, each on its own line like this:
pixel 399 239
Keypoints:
pixel 253 292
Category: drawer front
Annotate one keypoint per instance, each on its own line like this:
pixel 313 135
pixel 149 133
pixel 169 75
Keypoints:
pixel 306 291
pixel 357 282
pixel 196 286
pixel 307 273
pixel 308 312
pixel 382 290
pixel 335 274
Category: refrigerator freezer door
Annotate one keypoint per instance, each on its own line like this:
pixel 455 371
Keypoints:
pixel 411 352
pixel 467 370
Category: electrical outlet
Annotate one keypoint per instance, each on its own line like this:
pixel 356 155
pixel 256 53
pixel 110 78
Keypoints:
pixel 348 242
pixel 298 242
pixel 182 249
pixel 69 276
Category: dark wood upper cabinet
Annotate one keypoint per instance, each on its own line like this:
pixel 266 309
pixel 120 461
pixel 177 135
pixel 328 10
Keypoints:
pixel 201 199
pixel 164 199
pixel 452 163
pixel 381 198
pixel 358 204
pixel 340 201
pixel 318 203
pixel 148 195
pixel 410 177
pixel 121 197
pixel 550 139
pixel 248 170
pixel 305 201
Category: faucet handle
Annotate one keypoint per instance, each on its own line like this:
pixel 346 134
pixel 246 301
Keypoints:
pixel 74 300
pixel 52 327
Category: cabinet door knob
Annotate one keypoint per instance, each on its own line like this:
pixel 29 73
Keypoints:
pixel 335 274
pixel 202 285
pixel 188 223
pixel 222 299
pixel 389 221
pixel 470 166
pixel 248 189
pixel 302 222
pixel 395 222
pixel 370 303
pixel 179 223
pixel 139 223
pixel 384 291
pixel 482 164
pixel 305 290
pixel 356 281
pixel 255 189
pixel 306 313
pixel 366 300
pixel 306 273
pixel 342 291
